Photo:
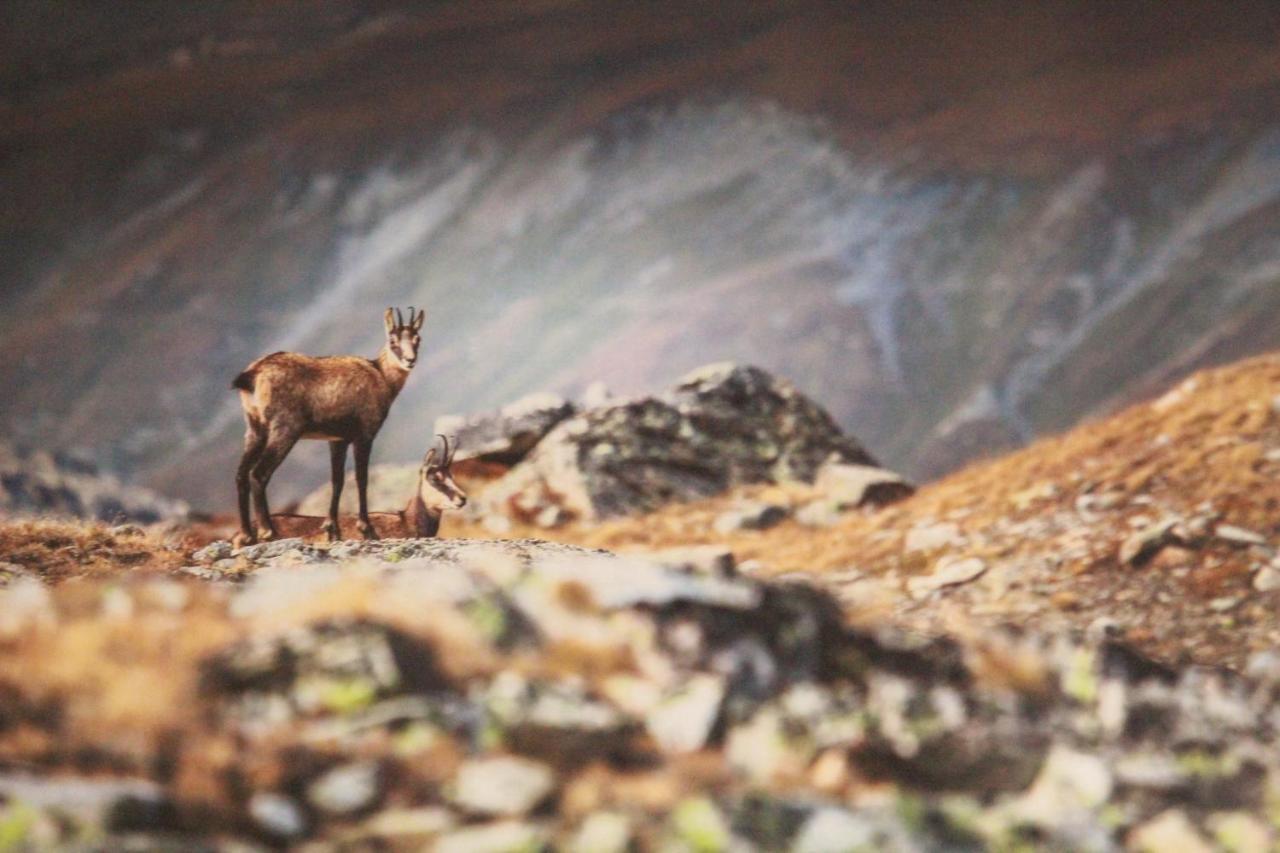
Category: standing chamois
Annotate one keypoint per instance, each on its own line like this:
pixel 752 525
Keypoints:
pixel 435 493
pixel 339 399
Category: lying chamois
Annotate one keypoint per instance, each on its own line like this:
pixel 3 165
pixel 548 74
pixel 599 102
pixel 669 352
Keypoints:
pixel 339 399
pixel 420 519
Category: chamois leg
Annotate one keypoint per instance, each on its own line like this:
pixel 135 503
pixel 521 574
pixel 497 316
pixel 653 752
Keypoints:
pixel 255 439
pixel 363 451
pixel 337 468
pixel 278 446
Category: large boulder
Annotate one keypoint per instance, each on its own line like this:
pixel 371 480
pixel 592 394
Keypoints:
pixel 721 426
pixel 507 435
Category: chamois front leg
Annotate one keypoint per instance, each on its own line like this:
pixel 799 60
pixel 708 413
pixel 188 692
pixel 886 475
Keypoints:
pixel 363 451
pixel 255 439
pixel 337 469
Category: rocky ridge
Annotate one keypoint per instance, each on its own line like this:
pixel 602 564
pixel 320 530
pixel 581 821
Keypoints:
pixel 38 483
pixel 481 695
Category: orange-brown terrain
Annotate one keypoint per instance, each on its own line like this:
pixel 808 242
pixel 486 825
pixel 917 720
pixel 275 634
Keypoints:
pixel 380 692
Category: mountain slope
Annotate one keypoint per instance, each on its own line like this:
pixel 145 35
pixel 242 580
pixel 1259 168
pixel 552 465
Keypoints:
pixel 956 230
pixel 1053 528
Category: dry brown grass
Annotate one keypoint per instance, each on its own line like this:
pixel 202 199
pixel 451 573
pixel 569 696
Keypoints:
pixel 59 550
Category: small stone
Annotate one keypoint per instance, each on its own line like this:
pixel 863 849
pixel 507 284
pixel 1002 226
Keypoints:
pixel 700 824
pixel 932 537
pixel 1143 545
pixel 1238 535
pixel 347 789
pixel 1225 603
pixel 277 815
pixel 506 836
pixel 1241 832
pixel 820 513
pixel 833 830
pixel 405 824
pixel 830 773
pixel 751 516
pixel 714 560
pixel 1069 782
pixel 949 571
pixel 759 750
pixel 502 785
pixel 128 531
pixel 683 722
pixel 602 832
pixel 1267 579
pixel 1173 557
pixel 851 486
pixel 1170 830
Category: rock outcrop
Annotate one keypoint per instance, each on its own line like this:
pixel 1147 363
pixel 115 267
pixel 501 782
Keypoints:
pixel 40 483
pixel 507 435
pixel 721 426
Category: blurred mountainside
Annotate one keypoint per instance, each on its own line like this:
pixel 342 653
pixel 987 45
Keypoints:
pixel 956 227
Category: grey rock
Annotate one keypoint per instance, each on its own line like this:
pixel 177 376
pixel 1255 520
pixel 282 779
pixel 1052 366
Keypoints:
pixel 949 571
pixel 1167 831
pixel 346 789
pixel 1267 579
pixel 683 721
pixel 214 551
pixel 720 426
pixel 713 560
pixel 1147 542
pixel 278 815
pixel 508 836
pixel 819 513
pixel 274 548
pixel 509 434
pixel 602 832
pixel 751 516
pixel 832 830
pixel 128 531
pixel 851 486
pixel 501 786
pixel 401 825
pixel 932 537
pixel 1238 535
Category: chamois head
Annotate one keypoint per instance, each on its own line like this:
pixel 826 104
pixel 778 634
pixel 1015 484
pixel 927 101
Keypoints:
pixel 436 485
pixel 403 338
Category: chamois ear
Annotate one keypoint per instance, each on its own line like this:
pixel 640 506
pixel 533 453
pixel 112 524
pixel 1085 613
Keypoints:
pixel 429 459
pixel 389 319
pixel 417 324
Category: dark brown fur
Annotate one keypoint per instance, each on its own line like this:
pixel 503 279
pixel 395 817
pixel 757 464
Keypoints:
pixel 343 400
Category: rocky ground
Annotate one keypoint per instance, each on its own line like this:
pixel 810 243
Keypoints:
pixel 472 695
pixel 1072 647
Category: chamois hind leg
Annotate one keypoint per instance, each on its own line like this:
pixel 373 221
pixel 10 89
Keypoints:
pixel 279 443
pixel 255 439
pixel 363 450
pixel 337 468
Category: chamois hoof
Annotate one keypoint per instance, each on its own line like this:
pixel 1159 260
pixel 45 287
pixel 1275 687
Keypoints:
pixel 367 531
pixel 242 540
pixel 266 535
pixel 331 531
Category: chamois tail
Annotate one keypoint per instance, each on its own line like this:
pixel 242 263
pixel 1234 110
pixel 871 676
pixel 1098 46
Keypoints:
pixel 243 382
